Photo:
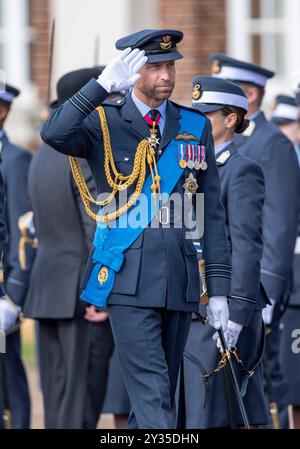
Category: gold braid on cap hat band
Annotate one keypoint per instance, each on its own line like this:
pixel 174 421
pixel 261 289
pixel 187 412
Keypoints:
pixel 144 152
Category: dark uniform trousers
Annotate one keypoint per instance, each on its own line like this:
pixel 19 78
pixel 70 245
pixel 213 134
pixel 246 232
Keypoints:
pixel 67 383
pixel 158 286
pixel 152 363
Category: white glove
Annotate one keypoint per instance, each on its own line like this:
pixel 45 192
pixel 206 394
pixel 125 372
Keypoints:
pixel 121 73
pixel 267 312
pixel 217 312
pixel 9 313
pixel 231 335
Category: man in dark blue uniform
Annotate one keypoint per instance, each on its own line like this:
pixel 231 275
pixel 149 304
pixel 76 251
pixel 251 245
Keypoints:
pixel 147 275
pixel 274 153
pixel 15 165
pixel 286 116
pixel 75 341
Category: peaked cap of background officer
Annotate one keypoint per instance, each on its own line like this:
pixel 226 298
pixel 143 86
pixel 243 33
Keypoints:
pixel 159 45
pixel 8 93
pixel 211 94
pixel 239 71
pixel 285 110
pixel 72 82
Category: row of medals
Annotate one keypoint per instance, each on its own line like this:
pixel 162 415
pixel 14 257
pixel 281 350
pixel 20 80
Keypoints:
pixel 193 164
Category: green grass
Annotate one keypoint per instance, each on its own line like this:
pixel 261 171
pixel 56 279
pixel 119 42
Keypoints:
pixel 29 352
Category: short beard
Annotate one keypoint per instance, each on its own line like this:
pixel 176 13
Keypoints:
pixel 154 94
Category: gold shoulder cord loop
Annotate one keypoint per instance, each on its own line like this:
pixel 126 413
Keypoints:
pixel 144 152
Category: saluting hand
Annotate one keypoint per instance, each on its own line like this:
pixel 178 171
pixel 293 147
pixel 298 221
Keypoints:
pixel 122 73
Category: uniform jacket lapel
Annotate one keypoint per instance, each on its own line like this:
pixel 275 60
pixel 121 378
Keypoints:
pixel 171 126
pixel 134 118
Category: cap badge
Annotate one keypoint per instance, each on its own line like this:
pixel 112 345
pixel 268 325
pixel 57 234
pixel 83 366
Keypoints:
pixel 196 94
pixel 215 67
pixel 167 43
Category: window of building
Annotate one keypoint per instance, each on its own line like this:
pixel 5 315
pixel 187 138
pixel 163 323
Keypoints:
pixel 265 32
pixel 15 38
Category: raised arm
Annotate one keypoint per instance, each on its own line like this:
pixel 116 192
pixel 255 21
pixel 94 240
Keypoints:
pixel 69 128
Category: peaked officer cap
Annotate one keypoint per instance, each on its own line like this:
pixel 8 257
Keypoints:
pixel 8 93
pixel 239 71
pixel 211 94
pixel 159 45
pixel 285 110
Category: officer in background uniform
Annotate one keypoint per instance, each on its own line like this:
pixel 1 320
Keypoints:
pixel 150 298
pixel 274 153
pixel 75 341
pixel 242 189
pixel 15 166
pixel 286 116
pixel 8 314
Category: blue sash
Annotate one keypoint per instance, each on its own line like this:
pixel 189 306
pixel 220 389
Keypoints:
pixel 111 243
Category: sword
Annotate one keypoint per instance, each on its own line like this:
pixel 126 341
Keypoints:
pixel 234 380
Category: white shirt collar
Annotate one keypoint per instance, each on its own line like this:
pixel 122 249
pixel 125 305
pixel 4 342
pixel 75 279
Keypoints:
pixel 144 108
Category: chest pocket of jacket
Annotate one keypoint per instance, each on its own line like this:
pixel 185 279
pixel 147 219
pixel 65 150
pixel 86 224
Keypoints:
pixel 124 160
pixel 127 278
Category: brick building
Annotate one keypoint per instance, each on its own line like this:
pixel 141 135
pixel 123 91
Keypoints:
pixel 264 31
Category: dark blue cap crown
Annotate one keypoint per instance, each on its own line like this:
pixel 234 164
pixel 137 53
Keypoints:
pixel 159 45
pixel 8 93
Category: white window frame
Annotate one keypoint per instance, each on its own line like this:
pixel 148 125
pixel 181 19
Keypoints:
pixel 15 35
pixel 240 26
